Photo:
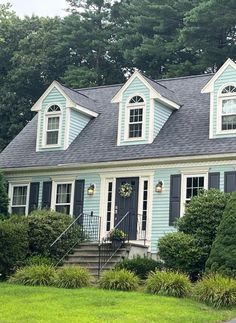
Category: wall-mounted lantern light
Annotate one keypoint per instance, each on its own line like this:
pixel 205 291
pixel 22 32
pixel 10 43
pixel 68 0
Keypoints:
pixel 91 189
pixel 159 186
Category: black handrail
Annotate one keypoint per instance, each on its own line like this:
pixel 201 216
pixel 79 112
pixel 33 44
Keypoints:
pixel 128 224
pixel 89 228
pixel 107 250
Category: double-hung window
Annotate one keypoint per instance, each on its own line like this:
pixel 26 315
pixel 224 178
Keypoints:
pixel 63 202
pixel 192 184
pixel 228 108
pixel 19 199
pixel 53 117
pixel 136 116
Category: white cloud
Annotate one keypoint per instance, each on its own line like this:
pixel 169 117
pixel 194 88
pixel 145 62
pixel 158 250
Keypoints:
pixel 38 7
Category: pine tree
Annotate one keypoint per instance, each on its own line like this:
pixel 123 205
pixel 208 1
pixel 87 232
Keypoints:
pixel 222 258
pixel 3 197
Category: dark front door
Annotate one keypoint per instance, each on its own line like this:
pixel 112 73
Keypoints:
pixel 127 204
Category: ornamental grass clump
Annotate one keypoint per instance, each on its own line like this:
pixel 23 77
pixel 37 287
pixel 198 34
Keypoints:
pixel 168 283
pixel 123 280
pixel 36 275
pixel 72 277
pixel 217 291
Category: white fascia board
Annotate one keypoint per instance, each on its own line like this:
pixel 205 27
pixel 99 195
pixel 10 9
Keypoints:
pixel 208 88
pixel 37 106
pixel 153 93
pixel 85 111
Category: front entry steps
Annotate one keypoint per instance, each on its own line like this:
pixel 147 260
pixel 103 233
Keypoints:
pixel 87 255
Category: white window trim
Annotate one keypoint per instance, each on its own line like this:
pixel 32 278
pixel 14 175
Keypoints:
pixel 47 115
pixel 129 107
pixel 220 97
pixel 183 187
pixel 54 194
pixel 10 195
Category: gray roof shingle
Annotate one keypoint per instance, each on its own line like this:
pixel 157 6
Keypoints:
pixel 186 132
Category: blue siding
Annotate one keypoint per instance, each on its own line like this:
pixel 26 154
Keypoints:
pixel 135 88
pixel 161 115
pixel 54 97
pixel 229 75
pixel 77 123
pixel 160 204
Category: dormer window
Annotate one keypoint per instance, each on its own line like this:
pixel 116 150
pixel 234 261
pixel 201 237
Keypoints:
pixel 227 102
pixel 135 117
pixel 53 117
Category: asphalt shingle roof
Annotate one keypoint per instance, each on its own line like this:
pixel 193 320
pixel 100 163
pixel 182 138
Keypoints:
pixel 186 132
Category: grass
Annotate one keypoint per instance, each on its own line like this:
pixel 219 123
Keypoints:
pixel 90 305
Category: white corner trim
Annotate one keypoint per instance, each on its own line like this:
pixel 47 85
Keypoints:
pixel 38 105
pixel 211 115
pixel 209 86
pixel 151 121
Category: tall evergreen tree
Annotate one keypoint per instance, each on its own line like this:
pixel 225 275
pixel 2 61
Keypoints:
pixel 222 258
pixel 210 33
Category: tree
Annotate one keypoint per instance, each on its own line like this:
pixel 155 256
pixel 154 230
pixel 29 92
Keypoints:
pixel 149 34
pixel 88 34
pixel 3 198
pixel 222 258
pixel 210 33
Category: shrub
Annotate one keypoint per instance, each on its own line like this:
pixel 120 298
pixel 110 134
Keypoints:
pixel 140 266
pixel 72 277
pixel 38 260
pixel 203 215
pixel 200 223
pixel 3 198
pixel 36 275
pixel 44 227
pixel 13 246
pixel 119 280
pixel 168 283
pixel 181 252
pixel 216 291
pixel 222 258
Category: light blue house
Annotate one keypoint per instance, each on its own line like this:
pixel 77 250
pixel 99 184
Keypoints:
pixel 143 148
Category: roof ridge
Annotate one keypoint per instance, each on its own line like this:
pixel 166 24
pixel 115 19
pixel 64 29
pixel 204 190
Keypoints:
pixel 77 92
pixel 151 79
pixel 183 77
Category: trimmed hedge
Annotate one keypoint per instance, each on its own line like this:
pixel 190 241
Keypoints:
pixel 180 252
pixel 140 266
pixel 13 246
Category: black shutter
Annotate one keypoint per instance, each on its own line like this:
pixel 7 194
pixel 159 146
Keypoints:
pixel 230 182
pixel 175 196
pixel 214 180
pixel 33 196
pixel 78 197
pixel 47 192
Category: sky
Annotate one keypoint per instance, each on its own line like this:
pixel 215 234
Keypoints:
pixel 38 7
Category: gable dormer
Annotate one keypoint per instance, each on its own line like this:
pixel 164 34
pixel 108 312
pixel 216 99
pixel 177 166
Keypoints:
pixel 144 107
pixel 222 90
pixel 62 115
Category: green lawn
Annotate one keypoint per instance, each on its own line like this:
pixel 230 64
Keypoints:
pixel 47 304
